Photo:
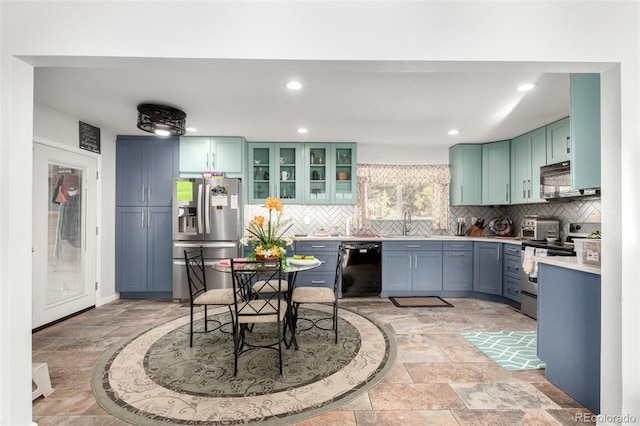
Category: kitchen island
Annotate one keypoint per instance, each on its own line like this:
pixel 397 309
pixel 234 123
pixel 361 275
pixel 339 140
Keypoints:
pixel 569 327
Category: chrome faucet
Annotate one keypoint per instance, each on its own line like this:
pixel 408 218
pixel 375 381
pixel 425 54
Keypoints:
pixel 405 226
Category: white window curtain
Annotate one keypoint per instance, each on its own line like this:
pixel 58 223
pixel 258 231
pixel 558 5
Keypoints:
pixel 437 175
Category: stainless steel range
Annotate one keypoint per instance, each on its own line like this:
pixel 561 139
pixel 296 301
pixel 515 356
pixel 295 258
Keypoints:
pixel 529 282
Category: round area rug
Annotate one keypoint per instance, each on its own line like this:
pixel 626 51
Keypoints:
pixel 156 378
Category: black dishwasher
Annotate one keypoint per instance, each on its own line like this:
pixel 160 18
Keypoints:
pixel 361 268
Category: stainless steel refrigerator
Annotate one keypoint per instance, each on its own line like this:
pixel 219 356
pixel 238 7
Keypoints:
pixel 207 213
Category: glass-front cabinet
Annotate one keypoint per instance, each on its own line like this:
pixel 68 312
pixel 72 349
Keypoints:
pixel 344 190
pixel 275 170
pixel 331 173
pixel 317 187
pixel 297 173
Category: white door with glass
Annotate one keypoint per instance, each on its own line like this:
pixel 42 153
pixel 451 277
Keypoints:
pixel 64 233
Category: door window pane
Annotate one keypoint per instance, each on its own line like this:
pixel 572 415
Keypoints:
pixel 65 266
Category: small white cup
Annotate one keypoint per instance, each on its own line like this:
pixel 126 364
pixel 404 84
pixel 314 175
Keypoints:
pixel 284 175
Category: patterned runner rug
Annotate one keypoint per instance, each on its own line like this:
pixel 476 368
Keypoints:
pixel 511 350
pixel 155 378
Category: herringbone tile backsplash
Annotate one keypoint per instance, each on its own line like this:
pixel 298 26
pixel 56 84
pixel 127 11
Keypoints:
pixel 324 217
pixel 319 217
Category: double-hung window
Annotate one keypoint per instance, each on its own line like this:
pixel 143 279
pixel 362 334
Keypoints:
pixel 391 201
pixel 385 192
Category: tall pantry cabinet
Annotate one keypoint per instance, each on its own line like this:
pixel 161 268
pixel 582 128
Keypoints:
pixel 145 168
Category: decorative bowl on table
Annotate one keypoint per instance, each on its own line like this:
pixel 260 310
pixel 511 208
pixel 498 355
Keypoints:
pixel 298 260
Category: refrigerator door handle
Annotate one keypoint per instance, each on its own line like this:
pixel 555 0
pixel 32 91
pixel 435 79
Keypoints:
pixel 207 209
pixel 204 244
pixel 199 209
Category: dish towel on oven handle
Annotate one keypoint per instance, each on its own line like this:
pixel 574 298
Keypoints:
pixel 528 263
pixel 530 266
pixel 539 252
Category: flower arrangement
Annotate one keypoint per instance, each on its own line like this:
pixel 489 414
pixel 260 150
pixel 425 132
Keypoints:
pixel 266 234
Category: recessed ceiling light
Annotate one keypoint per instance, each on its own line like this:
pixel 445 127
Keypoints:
pixel 453 132
pixel 293 85
pixel 525 87
pixel 303 130
pixel 191 129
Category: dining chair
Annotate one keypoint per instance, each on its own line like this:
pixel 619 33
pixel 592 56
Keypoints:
pixel 251 309
pixel 321 295
pixel 201 295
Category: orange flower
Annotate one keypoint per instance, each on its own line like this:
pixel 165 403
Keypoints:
pixel 259 220
pixel 273 204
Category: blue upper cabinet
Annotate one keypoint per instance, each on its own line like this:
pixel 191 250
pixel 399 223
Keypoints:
pixel 558 141
pixel 146 166
pixel 211 153
pixel 495 173
pixel 465 162
pixel 528 154
pixel 585 130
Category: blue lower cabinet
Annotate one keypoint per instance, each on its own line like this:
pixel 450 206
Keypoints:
pixel 144 259
pixel 327 253
pixel 511 288
pixel 411 267
pixel 427 270
pixel 457 266
pixel 396 270
pixel 569 331
pixel 311 279
pixel 511 271
pixel 487 268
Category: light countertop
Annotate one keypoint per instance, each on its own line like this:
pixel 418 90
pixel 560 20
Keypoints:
pixel 372 237
pixel 570 262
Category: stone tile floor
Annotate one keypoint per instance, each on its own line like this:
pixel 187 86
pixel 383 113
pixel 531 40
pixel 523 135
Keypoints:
pixel 438 378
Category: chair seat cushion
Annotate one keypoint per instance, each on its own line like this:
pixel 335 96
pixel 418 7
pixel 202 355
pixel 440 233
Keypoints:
pixel 313 295
pixel 270 286
pixel 218 296
pixel 259 311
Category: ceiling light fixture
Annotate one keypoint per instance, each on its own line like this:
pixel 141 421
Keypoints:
pixel 161 119
pixel 191 129
pixel 303 130
pixel 525 87
pixel 293 85
pixel 454 132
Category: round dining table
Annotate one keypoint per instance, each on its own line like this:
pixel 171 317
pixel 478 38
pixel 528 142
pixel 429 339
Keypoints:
pixel 291 269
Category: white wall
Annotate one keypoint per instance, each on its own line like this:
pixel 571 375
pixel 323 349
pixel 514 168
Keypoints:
pixel 56 128
pixel 565 36
pixel 396 154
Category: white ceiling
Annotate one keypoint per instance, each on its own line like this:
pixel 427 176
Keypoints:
pixel 353 101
